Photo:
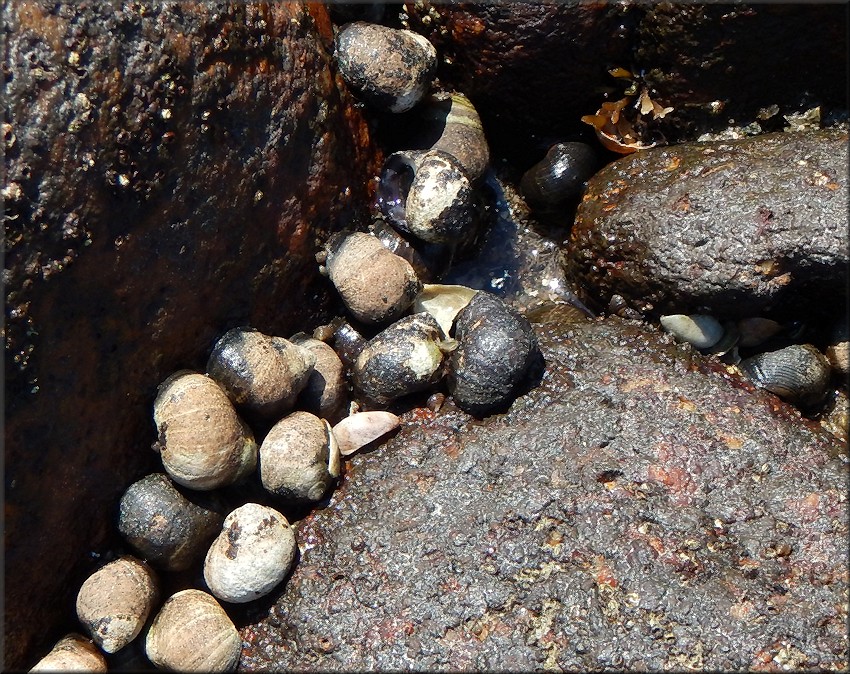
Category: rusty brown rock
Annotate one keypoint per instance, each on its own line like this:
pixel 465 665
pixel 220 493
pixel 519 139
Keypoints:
pixel 534 69
pixel 169 170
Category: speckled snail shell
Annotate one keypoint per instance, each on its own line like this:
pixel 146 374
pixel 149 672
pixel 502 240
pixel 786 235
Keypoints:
pixel 798 373
pixel 251 555
pixel 389 68
pixel 167 527
pixel 260 373
pixel 202 441
pixel 427 194
pixel 559 177
pixel 72 653
pixel 429 260
pixel 375 285
pixel 495 353
pixel 404 358
pixel 326 392
pixel 114 602
pixel 192 633
pixel 297 458
pixel 453 126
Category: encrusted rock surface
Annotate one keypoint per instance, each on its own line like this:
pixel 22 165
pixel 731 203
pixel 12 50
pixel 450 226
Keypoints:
pixel 534 69
pixel 753 227
pixel 642 508
pixel 169 168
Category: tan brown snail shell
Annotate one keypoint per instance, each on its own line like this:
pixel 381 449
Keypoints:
pixel 389 68
pixel 193 633
pixel 326 391
pixel 202 441
pixel 72 653
pixel 114 603
pixel 251 555
pixel 299 458
pixel 376 285
pixel 454 121
pixel 169 528
pixel 260 373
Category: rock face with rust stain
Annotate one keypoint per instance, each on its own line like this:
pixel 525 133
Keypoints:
pixel 169 171
pixel 754 227
pixel 532 70
pixel 640 509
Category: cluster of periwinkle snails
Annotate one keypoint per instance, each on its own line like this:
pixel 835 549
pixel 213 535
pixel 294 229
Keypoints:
pixel 798 373
pixel 296 390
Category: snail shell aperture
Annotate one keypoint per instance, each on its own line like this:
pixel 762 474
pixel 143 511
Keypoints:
pixel 72 653
pixel 296 458
pixel 496 350
pixel 404 358
pixel 114 603
pixel 798 373
pixel 389 68
pixel 428 195
pixel 376 285
pixel 251 555
pixel 192 633
pixel 202 441
pixel 260 373
pixel 168 528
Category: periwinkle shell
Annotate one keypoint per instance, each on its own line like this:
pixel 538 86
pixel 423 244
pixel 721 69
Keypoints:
pixel 559 177
pixel 167 527
pixel 326 392
pixel 798 373
pixel 72 653
pixel 389 68
pixel 495 353
pixel 404 358
pixel 454 121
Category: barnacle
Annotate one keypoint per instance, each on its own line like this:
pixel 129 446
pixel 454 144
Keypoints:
pixel 621 126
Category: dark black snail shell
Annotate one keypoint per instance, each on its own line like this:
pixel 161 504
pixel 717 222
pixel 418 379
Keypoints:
pixel 389 68
pixel 798 373
pixel 170 528
pixel 404 358
pixel 428 195
pixel 495 353
pixel 559 177
pixel 430 261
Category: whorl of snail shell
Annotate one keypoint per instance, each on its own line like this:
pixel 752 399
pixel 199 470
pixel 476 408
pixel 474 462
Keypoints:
pixel 454 126
pixel 326 392
pixel 72 653
pixel 798 373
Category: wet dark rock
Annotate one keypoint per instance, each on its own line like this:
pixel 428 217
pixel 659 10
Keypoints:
pixel 642 508
pixel 754 227
pixel 534 69
pixel 169 168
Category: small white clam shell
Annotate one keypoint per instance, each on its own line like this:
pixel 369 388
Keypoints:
pixel 698 329
pixel 443 302
pixel 359 429
pixel 72 653
pixel 251 555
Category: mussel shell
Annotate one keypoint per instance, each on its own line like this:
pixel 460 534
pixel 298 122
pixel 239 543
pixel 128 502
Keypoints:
pixel 389 68
pixel 495 353
pixel 404 358
pixel 798 373
pixel 559 177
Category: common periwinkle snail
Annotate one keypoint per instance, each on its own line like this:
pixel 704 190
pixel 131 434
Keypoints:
pixel 452 125
pixel 114 603
pixel 192 633
pixel 496 349
pixel 170 527
pixel 375 285
pixel 559 177
pixel 428 194
pixel 201 439
pixel 798 373
pixel 404 358
pixel 326 391
pixel 251 555
pixel 299 458
pixel 389 68
pixel 260 373
pixel 72 653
